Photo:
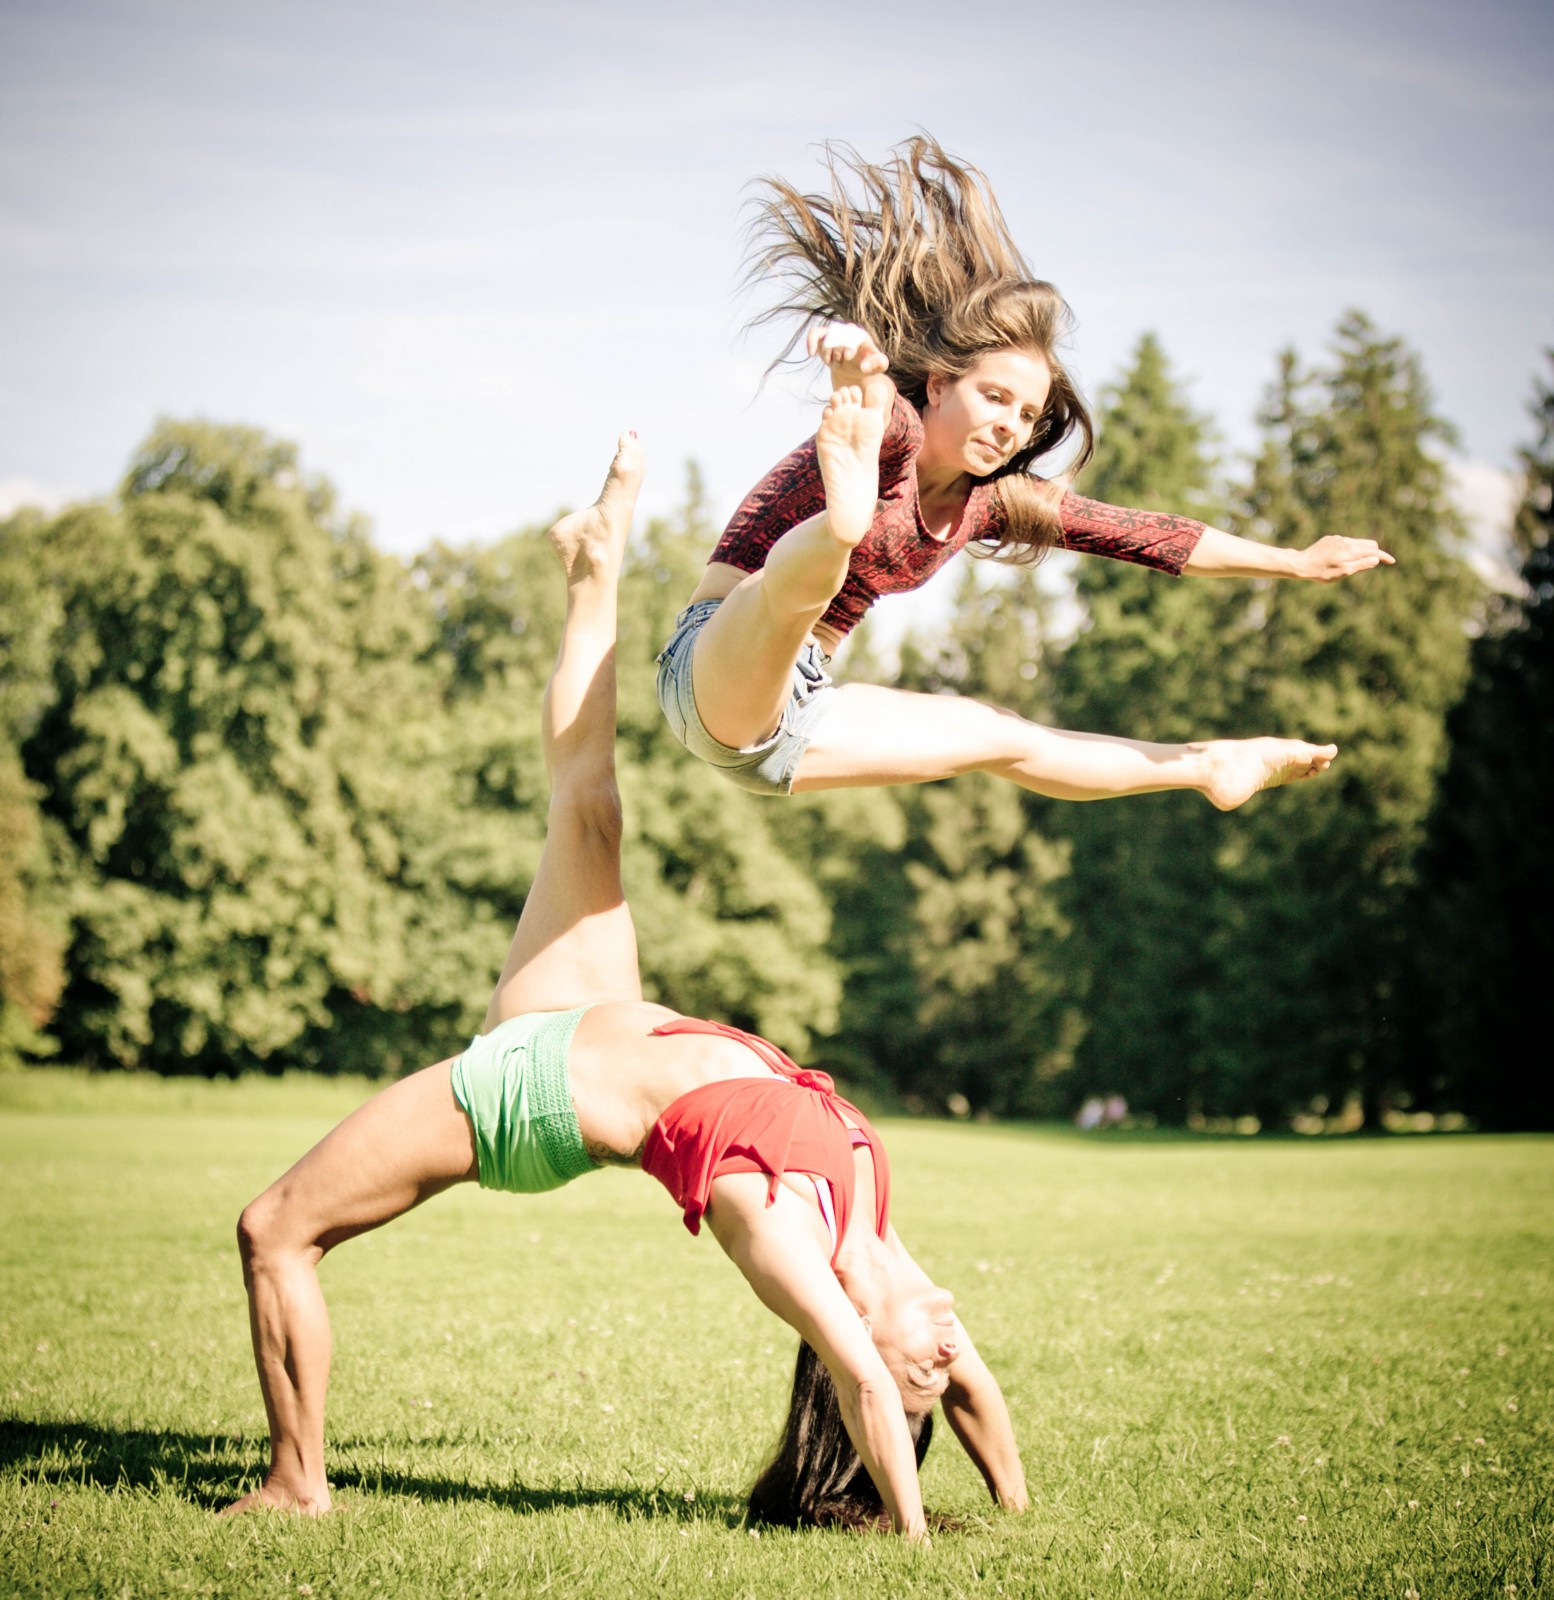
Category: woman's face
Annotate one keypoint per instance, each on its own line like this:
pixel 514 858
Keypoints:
pixel 914 1329
pixel 979 422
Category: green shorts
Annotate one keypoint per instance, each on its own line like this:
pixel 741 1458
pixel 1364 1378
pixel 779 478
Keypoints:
pixel 512 1083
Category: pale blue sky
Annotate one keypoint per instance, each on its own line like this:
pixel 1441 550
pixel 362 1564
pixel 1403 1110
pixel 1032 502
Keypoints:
pixel 452 248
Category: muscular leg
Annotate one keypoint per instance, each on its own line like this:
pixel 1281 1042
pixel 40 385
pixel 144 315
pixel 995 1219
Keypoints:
pixel 873 736
pixel 406 1144
pixel 575 942
pixel 742 671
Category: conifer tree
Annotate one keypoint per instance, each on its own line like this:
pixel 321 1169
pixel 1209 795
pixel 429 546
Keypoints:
pixel 1314 946
pixel 1483 929
pixel 1154 658
pixel 951 926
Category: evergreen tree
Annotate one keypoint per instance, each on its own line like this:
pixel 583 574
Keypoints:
pixel 1483 928
pixel 1154 658
pixel 1313 947
pixel 948 925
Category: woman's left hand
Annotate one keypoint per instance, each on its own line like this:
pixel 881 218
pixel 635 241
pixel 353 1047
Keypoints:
pixel 1338 557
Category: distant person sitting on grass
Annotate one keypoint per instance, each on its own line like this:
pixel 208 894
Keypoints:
pixel 574 1070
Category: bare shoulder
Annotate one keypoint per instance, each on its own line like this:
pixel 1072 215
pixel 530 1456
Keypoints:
pixel 741 1207
pixel 783 1251
pixel 778 1242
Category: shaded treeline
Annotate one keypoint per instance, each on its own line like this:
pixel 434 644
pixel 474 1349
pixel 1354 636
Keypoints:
pixel 270 798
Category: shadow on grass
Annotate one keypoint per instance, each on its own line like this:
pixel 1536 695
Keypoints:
pixel 212 1470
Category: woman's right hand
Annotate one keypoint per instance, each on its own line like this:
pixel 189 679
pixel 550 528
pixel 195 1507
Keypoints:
pixel 848 350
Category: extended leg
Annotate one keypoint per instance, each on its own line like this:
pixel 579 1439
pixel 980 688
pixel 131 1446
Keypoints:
pixel 874 736
pixel 742 671
pixel 575 942
pixel 406 1144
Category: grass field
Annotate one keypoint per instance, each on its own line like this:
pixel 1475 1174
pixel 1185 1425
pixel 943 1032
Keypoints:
pixel 1237 1368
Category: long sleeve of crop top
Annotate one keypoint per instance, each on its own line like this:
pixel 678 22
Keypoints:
pixel 1150 538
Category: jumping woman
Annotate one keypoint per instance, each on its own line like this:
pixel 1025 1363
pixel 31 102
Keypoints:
pixel 942 350
pixel 573 1070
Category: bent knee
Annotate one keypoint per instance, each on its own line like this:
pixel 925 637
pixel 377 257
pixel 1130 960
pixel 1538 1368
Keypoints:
pixel 262 1229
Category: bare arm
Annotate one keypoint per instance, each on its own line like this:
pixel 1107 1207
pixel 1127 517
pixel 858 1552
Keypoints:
pixel 1224 555
pixel 778 1249
pixel 974 1406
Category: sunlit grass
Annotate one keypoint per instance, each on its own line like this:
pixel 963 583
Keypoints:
pixel 1237 1368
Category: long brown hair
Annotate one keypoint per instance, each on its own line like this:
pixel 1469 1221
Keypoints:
pixel 816 1478
pixel 916 250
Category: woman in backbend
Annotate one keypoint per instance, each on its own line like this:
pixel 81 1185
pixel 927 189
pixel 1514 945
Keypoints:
pixel 942 349
pixel 573 1069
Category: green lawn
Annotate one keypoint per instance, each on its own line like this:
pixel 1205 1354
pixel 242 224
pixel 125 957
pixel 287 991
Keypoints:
pixel 1237 1367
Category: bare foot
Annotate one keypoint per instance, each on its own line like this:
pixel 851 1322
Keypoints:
pixel 848 444
pixel 268 1497
pixel 1240 768
pixel 594 541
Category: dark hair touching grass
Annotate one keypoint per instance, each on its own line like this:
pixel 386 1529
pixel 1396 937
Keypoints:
pixel 816 1479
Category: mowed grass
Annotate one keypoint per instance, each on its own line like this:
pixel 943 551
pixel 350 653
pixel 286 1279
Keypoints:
pixel 1259 1368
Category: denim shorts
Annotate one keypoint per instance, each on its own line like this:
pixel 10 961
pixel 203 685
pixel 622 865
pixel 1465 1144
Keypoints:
pixel 764 768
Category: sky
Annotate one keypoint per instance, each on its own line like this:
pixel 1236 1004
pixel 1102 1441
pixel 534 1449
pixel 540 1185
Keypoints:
pixel 451 250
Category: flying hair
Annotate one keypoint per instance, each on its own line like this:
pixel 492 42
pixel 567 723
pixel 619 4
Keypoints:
pixel 916 250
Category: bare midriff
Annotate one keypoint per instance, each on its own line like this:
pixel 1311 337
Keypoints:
pixel 623 1076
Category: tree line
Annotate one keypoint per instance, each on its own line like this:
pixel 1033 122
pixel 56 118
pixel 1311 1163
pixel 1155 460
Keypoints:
pixel 271 798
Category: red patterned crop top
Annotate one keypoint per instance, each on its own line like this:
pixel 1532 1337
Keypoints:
pixel 795 1122
pixel 898 553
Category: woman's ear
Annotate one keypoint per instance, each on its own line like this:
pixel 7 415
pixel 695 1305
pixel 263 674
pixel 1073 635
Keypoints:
pixel 933 389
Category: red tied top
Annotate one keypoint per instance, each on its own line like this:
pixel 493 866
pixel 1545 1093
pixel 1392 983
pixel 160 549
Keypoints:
pixel 898 553
pixel 792 1123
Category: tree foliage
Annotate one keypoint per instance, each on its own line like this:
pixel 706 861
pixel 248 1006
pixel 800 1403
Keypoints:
pixel 1318 943
pixel 32 933
pixel 961 985
pixel 270 798
pixel 1154 658
pixel 1482 920
pixel 234 676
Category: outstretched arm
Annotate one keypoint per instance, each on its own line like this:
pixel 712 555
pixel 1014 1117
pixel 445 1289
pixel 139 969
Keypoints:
pixel 1185 546
pixel 1224 555
pixel 974 1406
